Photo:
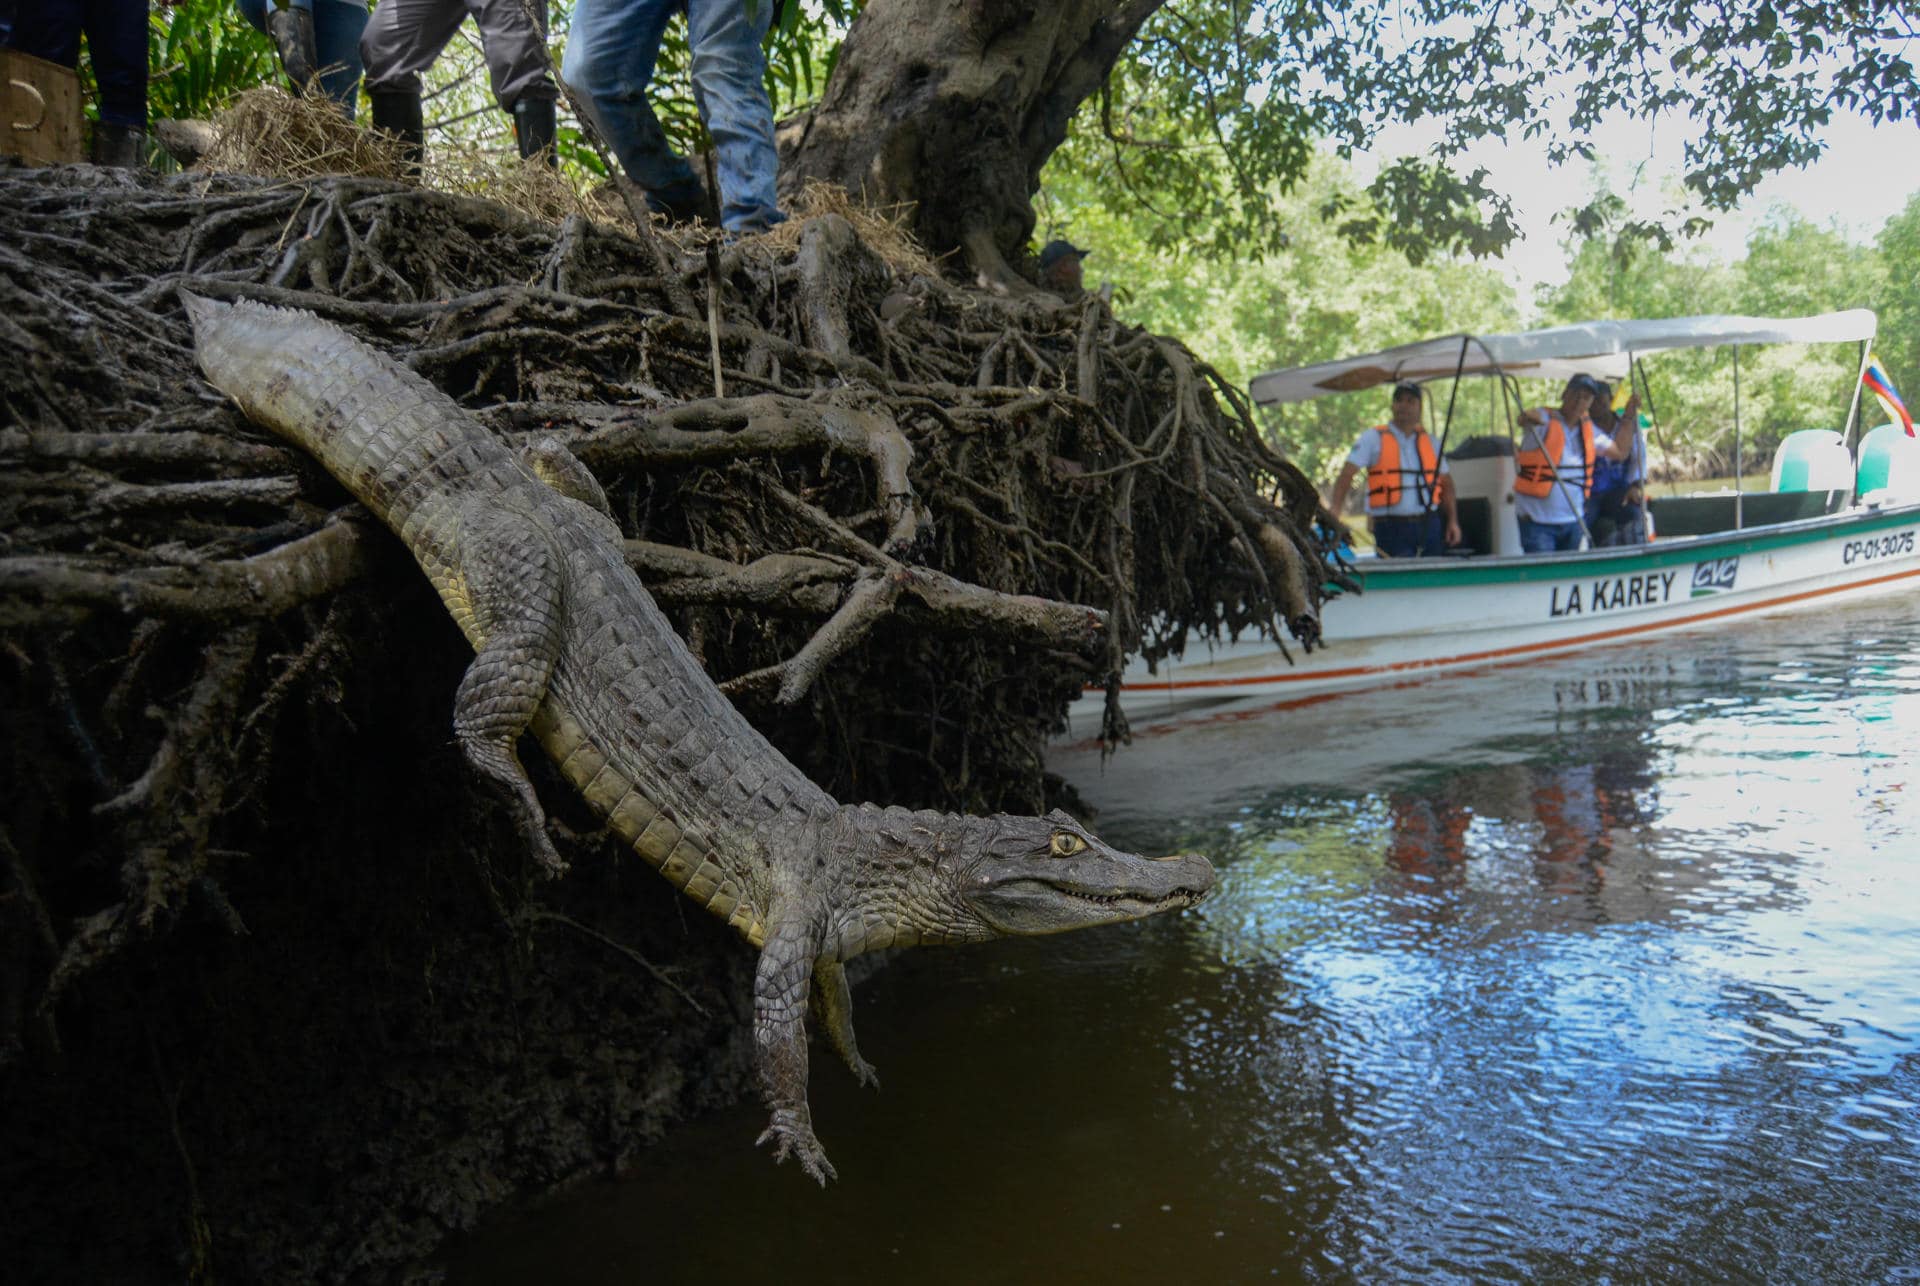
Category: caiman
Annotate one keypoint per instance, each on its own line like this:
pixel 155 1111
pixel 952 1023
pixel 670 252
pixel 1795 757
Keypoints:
pixel 570 647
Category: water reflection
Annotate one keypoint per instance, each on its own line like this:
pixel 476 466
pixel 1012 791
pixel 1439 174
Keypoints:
pixel 1602 968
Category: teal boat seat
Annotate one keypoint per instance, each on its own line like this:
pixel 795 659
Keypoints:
pixel 1812 460
pixel 1889 461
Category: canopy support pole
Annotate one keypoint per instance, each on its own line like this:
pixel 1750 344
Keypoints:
pixel 1739 515
pixel 1853 407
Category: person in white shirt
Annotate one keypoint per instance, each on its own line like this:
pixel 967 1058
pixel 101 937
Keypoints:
pixel 1410 501
pixel 1555 467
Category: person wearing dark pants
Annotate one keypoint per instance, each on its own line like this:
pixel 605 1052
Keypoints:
pixel 1410 498
pixel 315 37
pixel 116 33
pixel 406 36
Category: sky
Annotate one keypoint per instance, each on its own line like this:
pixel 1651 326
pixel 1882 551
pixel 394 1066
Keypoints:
pixel 1867 174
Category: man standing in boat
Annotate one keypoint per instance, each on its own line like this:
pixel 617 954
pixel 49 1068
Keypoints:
pixel 1410 500
pixel 1555 467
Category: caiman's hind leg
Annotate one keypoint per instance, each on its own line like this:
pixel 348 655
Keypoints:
pixel 780 987
pixel 515 588
pixel 560 469
pixel 832 1004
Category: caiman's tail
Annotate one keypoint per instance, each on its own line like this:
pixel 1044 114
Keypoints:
pixel 374 424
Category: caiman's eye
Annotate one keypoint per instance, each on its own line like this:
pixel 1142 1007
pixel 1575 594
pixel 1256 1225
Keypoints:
pixel 1066 844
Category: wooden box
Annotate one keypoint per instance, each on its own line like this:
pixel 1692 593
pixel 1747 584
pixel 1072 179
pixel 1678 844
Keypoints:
pixel 39 109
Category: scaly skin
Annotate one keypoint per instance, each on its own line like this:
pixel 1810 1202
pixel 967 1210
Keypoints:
pixel 570 647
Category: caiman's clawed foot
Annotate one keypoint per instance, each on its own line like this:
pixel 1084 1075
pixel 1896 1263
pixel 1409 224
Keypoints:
pixel 792 1132
pixel 548 858
pixel 863 1072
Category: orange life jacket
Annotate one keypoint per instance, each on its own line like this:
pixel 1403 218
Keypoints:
pixel 1539 464
pixel 1385 477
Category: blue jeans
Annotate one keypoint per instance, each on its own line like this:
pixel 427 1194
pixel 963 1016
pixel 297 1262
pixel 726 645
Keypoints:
pixel 1548 537
pixel 611 53
pixel 337 25
pixel 116 32
pixel 1409 536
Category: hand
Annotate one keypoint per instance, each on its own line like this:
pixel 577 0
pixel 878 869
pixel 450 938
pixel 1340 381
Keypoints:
pixel 1453 533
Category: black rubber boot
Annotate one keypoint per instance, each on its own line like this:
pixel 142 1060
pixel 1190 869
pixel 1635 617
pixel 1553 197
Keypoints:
pixel 398 113
pixel 292 32
pixel 119 145
pixel 533 125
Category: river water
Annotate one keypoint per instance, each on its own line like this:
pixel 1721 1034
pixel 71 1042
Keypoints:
pixel 1603 968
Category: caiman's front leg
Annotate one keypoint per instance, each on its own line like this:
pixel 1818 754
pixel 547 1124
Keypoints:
pixel 833 1014
pixel 515 590
pixel 780 1040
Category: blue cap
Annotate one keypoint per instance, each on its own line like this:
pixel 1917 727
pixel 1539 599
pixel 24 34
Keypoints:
pixel 1054 251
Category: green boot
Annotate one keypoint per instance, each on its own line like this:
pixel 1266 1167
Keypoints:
pixel 292 32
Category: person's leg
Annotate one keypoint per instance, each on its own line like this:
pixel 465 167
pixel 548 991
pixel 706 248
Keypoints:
pixel 611 52
pixel 400 41
pixel 1396 538
pixel 49 29
pixel 117 44
pixel 1535 537
pixel 403 38
pixel 1433 536
pixel 516 50
pixel 338 26
pixel 729 81
pixel 290 25
pixel 255 12
pixel 1566 537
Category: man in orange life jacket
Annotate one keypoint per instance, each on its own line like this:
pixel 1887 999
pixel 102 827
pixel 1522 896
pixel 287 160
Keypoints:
pixel 1555 468
pixel 1409 492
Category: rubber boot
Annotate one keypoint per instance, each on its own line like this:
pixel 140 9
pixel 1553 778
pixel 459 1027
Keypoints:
pixel 292 32
pixel 533 125
pixel 119 145
pixel 399 114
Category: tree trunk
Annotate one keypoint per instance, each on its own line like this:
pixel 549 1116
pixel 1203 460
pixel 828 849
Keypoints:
pixel 953 106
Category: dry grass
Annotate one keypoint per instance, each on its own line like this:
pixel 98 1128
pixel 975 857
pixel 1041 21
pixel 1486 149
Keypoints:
pixel 884 229
pixel 269 131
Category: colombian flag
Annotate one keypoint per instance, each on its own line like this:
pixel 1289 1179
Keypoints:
pixel 1875 378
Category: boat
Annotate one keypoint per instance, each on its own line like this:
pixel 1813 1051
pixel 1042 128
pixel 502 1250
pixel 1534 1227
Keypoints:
pixel 1843 518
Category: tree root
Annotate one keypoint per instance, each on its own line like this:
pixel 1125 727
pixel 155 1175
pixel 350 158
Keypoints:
pixel 929 516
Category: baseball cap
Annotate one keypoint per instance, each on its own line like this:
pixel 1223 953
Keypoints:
pixel 1054 251
pixel 1405 388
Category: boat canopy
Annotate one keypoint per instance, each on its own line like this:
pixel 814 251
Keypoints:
pixel 1603 349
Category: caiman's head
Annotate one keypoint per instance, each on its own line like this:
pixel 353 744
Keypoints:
pixel 1033 875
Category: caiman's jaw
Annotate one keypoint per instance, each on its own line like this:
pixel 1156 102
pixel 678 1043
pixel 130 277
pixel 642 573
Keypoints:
pixel 1074 881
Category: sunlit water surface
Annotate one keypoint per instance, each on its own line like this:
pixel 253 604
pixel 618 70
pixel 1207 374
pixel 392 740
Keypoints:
pixel 1601 968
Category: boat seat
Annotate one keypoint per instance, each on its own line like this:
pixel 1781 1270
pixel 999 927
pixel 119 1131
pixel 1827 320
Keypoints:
pixel 1812 460
pixel 1889 466
pixel 1705 515
pixel 1481 448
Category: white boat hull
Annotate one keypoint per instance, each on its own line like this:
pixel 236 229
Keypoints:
pixel 1427 616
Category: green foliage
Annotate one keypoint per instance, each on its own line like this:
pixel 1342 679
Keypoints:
pixel 1217 105
pixel 201 53
pixel 1319 295
pixel 1899 307
pixel 1792 267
